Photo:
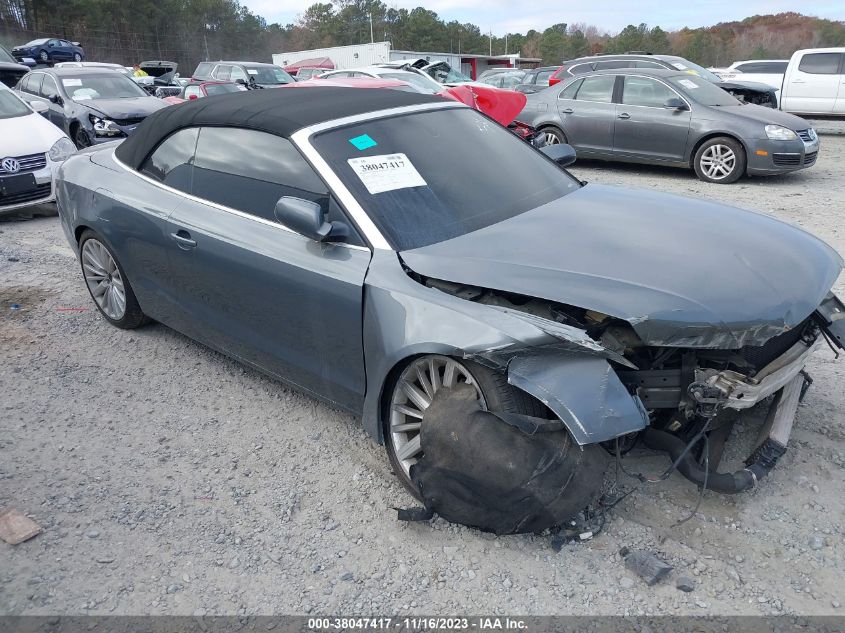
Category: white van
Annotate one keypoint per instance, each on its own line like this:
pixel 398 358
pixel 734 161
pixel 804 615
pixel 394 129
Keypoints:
pixel 814 82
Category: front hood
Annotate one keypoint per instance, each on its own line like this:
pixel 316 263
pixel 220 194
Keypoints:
pixel 21 68
pixel 30 134
pixel 683 272
pixel 764 115
pixel 132 108
pixel 748 85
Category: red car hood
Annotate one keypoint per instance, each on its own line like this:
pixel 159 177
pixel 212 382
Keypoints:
pixel 500 105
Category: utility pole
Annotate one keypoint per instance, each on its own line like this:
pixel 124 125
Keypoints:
pixel 506 43
pixel 371 28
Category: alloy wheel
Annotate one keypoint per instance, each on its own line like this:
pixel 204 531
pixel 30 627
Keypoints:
pixel 44 56
pixel 552 139
pixel 718 162
pixel 77 57
pixel 413 394
pixel 104 279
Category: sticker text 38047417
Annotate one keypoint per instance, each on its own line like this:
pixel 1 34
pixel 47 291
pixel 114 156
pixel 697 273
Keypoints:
pixel 386 172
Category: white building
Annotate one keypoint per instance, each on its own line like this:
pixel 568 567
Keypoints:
pixel 357 55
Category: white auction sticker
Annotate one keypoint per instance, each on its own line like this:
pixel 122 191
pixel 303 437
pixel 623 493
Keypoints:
pixel 252 71
pixel 72 82
pixel 386 172
pixel 688 84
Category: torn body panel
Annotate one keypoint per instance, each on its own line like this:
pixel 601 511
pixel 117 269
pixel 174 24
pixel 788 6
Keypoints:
pixel 570 374
pixel 581 389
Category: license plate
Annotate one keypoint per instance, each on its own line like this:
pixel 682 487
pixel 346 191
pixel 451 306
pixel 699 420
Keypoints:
pixel 10 185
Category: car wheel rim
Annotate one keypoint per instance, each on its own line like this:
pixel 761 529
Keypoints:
pixel 104 279
pixel 413 394
pixel 552 139
pixel 77 57
pixel 718 162
pixel 44 56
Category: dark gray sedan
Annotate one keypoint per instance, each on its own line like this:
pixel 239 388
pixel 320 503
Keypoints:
pixel 671 118
pixel 351 243
pixel 91 105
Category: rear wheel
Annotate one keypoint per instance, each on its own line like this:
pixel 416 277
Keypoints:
pixel 412 393
pixel 720 160
pixel 107 283
pixel 553 136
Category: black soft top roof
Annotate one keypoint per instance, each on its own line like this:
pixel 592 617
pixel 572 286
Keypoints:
pixel 279 111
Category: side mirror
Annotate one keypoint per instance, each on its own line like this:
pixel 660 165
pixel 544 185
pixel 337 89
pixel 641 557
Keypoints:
pixel 242 82
pixel 561 153
pixel 55 99
pixel 675 103
pixel 303 216
pixel 39 106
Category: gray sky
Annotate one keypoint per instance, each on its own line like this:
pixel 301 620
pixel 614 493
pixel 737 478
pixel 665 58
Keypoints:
pixel 509 16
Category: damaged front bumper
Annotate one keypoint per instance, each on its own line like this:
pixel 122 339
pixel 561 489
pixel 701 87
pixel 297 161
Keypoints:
pixel 743 392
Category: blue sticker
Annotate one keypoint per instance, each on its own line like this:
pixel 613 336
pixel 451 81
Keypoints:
pixel 363 142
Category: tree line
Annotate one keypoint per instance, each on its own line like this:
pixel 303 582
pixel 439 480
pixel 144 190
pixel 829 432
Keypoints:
pixel 189 31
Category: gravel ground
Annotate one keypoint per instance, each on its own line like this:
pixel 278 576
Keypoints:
pixel 170 480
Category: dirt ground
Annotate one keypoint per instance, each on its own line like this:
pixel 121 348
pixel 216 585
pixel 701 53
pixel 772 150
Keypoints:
pixel 170 480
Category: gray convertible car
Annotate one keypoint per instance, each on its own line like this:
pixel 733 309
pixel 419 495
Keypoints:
pixel 351 243
pixel 671 117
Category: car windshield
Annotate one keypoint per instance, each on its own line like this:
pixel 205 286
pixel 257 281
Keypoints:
pixel 6 56
pixel 85 87
pixel 425 85
pixel 268 75
pixel 11 106
pixel 702 91
pixel 36 42
pixel 689 67
pixel 431 176
pixel 219 89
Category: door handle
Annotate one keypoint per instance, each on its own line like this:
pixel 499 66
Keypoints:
pixel 624 115
pixel 567 111
pixel 183 240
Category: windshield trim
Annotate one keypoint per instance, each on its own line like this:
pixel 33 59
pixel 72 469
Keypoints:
pixel 302 139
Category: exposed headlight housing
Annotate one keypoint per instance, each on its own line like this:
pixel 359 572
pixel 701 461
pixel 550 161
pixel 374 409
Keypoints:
pixel 61 150
pixel 780 133
pixel 104 127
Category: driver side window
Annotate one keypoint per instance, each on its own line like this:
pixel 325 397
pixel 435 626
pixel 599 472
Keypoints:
pixel 48 87
pixel 237 73
pixel 647 92
pixel 249 171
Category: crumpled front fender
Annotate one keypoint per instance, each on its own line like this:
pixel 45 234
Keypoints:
pixel 583 390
